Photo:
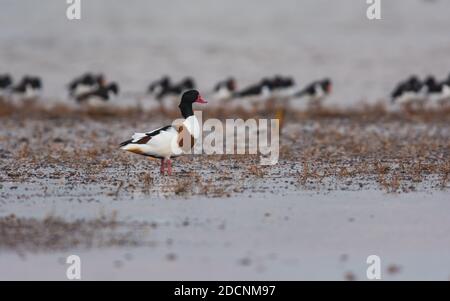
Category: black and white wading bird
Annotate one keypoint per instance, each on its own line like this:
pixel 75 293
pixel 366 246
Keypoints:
pixel 316 92
pixel 169 141
pixel 28 88
pixel 103 92
pixel 85 83
pixel 175 90
pixel 409 91
pixel 224 90
pixel 256 92
pixel 159 85
pixel 282 86
pixel 256 95
pixel 437 92
pixel 6 82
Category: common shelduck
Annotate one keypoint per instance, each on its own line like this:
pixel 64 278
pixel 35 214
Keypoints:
pixel 87 82
pixel 28 87
pixel 316 92
pixel 167 142
pixel 224 89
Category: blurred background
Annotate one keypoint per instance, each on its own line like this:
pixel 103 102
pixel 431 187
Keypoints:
pixel 137 41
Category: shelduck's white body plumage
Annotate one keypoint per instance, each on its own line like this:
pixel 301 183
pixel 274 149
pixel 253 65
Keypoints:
pixel 163 143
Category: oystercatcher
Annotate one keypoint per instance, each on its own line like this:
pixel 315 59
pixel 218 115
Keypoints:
pixel 87 82
pixel 437 92
pixel 317 91
pixel 224 90
pixel 259 91
pixel 176 90
pixel 104 92
pixel 410 90
pixel 169 141
pixel 282 87
pixel 28 87
pixel 5 82
pixel 159 85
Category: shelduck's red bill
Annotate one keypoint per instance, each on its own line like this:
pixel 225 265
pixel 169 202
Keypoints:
pixel 200 99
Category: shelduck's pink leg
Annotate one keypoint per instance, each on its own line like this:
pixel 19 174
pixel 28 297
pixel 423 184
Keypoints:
pixel 162 167
pixel 169 167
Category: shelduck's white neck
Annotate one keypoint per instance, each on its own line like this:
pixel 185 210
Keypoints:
pixel 192 125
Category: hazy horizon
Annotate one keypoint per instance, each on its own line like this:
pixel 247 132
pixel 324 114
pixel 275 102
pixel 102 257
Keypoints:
pixel 137 42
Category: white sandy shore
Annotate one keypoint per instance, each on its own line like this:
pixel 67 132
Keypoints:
pixel 299 236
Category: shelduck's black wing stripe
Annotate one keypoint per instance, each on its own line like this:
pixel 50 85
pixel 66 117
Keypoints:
pixel 147 137
pixel 126 142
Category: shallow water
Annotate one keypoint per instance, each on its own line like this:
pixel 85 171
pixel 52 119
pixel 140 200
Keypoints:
pixel 136 42
pixel 302 236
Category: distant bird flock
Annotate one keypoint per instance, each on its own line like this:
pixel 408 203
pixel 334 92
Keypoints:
pixel 171 141
pixel 90 87
pixel 28 87
pixel 414 91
